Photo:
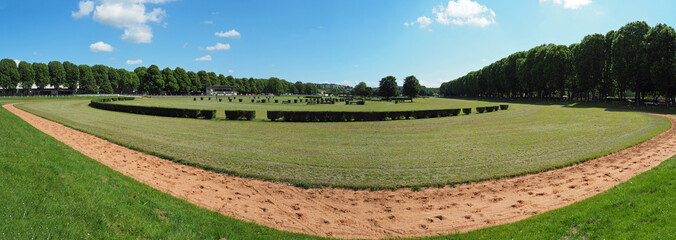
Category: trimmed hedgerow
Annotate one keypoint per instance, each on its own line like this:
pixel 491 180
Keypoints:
pixel 325 116
pixel 274 115
pixel 504 107
pixel 496 108
pixel 489 109
pixel 155 111
pixel 466 111
pixel 480 109
pixel 239 115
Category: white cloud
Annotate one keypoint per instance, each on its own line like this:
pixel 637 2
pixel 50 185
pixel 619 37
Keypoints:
pixel 569 4
pixel 86 8
pixel 465 12
pixel 185 45
pixel 218 47
pixel 204 58
pixel 231 34
pixel 231 71
pixel 100 47
pixel 208 22
pixel 138 33
pixel 424 21
pixel 130 15
pixel 134 62
pixel 408 24
pixel 36 53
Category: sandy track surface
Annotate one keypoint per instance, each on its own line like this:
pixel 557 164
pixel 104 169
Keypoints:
pixel 347 213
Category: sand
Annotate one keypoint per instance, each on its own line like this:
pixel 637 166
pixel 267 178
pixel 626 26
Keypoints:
pixel 344 213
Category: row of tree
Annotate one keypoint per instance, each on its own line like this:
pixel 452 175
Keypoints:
pixel 388 88
pixel 636 58
pixel 103 79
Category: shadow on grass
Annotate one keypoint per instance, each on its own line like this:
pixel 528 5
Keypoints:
pixel 606 106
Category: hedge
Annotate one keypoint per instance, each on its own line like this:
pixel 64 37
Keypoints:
pixel 239 114
pixel 504 107
pixel 489 109
pixel 466 111
pixel 480 109
pixel 155 111
pixel 325 116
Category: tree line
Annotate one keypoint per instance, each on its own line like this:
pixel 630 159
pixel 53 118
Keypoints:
pixel 105 80
pixel 388 88
pixel 636 59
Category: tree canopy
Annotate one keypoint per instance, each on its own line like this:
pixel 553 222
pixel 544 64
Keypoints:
pixel 388 87
pixel 411 87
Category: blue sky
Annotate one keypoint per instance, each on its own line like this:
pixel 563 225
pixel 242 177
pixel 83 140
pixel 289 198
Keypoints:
pixel 342 41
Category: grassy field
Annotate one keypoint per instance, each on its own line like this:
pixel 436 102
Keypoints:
pixel 373 154
pixel 262 108
pixel 49 190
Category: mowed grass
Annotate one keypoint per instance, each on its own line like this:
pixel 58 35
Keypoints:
pixel 49 190
pixel 262 108
pixel 387 154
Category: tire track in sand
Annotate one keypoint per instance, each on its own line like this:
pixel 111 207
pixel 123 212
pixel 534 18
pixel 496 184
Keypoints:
pixel 345 213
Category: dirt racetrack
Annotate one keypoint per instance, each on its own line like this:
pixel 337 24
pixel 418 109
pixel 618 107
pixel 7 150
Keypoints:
pixel 347 213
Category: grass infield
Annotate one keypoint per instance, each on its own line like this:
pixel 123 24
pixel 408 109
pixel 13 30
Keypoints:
pixel 391 154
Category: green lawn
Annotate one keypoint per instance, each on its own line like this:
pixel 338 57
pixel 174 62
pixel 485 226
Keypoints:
pixel 49 190
pixel 524 138
pixel 262 108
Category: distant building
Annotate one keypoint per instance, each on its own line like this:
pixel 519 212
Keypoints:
pixel 221 90
pixel 332 86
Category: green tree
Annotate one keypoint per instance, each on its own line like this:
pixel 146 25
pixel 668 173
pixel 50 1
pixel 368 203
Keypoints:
pixel 101 77
pixel 589 62
pixel 195 81
pixel 170 82
pixel 57 75
pixel 411 86
pixel 141 73
pixel 9 74
pixel 124 84
pixel 300 88
pixel 87 83
pixel 135 82
pixel 388 87
pixel 310 88
pixel 274 86
pixel 222 80
pixel 608 84
pixel 27 76
pixel 660 43
pixel 72 75
pixel 114 79
pixel 205 81
pixel 253 88
pixel 41 75
pixel 154 80
pixel 629 54
pixel 184 83
pixel 360 90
